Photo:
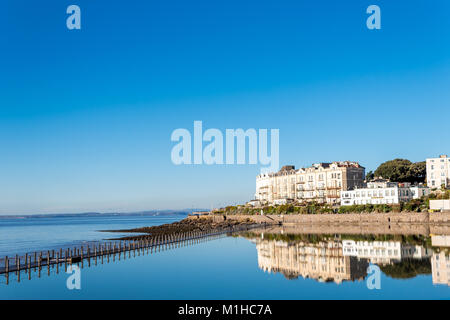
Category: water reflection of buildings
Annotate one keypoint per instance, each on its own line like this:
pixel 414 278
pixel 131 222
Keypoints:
pixel 347 260
pixel 323 261
pixel 385 252
pixel 440 261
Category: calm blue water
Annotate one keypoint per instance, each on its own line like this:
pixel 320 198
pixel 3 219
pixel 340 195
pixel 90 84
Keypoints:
pixel 238 268
pixel 18 236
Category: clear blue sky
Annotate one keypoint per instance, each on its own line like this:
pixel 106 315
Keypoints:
pixel 86 115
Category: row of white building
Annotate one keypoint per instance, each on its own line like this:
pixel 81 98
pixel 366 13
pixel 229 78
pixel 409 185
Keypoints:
pixel 322 182
pixel 343 182
pixel 383 192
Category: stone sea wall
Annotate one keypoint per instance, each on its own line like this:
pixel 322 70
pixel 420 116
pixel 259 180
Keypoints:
pixel 379 223
pixel 356 218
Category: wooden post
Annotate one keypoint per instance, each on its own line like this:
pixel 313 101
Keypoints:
pixel 26 262
pixel 48 262
pixel 17 264
pixel 6 264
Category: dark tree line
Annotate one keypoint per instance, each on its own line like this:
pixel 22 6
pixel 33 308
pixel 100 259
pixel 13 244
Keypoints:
pixel 400 170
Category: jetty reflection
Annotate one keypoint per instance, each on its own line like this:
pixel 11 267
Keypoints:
pixel 103 252
pixel 339 258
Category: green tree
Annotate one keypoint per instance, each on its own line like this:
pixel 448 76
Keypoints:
pixel 370 175
pixel 418 171
pixel 402 170
pixel 406 269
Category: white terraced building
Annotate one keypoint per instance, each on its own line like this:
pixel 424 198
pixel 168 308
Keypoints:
pixel 322 182
pixel 438 172
pixel 383 192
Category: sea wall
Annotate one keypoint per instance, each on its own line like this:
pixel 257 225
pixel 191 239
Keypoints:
pixel 437 218
pixel 374 223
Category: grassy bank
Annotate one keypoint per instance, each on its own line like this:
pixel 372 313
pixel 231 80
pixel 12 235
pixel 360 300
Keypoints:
pixel 416 205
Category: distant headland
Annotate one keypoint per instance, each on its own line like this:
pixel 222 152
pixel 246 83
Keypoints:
pixel 164 213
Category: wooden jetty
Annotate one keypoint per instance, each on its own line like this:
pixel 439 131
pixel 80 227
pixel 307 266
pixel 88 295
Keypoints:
pixel 109 250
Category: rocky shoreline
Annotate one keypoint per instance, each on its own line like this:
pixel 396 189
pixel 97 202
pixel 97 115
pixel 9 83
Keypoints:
pixel 412 222
pixel 186 225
